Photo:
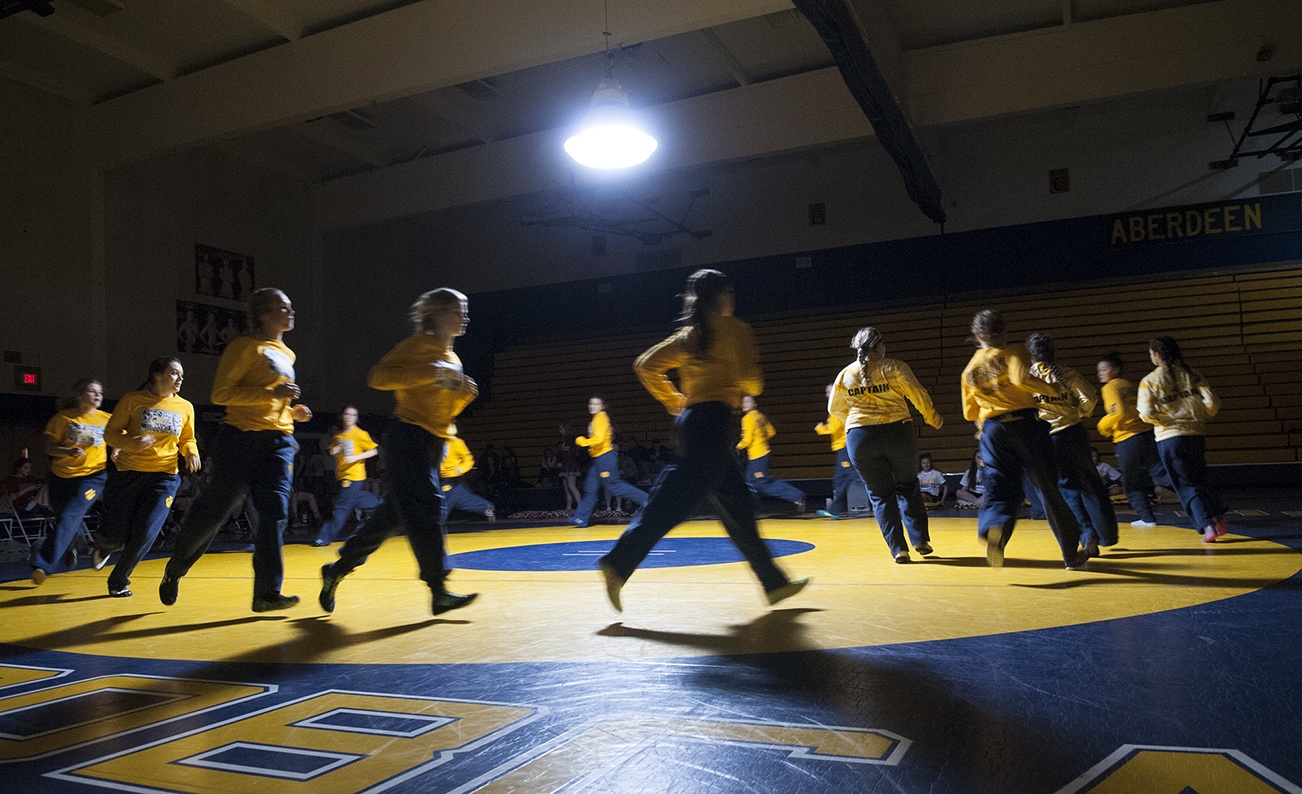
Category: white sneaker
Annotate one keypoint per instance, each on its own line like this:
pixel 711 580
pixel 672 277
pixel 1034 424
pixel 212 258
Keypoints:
pixel 1142 524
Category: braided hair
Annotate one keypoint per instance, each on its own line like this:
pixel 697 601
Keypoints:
pixel 864 343
pixel 1176 371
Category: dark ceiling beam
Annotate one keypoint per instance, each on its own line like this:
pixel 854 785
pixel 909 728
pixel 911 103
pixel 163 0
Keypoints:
pixel 835 23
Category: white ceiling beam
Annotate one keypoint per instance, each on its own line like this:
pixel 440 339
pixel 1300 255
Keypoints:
pixel 806 110
pixel 269 17
pixel 113 47
pixel 43 82
pixel 409 50
pixel 331 133
pixel 1088 61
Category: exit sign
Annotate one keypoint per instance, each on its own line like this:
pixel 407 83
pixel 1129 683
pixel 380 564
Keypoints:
pixel 27 378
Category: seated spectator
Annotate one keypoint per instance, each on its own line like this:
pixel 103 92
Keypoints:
pixel 1110 476
pixel 933 485
pixel 27 492
pixel 972 487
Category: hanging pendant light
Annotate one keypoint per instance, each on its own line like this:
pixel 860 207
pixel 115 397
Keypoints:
pixel 609 136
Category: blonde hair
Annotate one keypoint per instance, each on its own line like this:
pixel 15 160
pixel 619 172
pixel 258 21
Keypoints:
pixel 865 342
pixel 261 302
pixel 427 306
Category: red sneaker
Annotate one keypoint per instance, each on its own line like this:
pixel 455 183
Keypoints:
pixel 1209 534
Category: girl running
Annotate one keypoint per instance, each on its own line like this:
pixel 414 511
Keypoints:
pixel 998 392
pixel 714 353
pixel 871 398
pixel 253 454
pixel 74 442
pixel 1177 402
pixel 430 390
pixel 148 428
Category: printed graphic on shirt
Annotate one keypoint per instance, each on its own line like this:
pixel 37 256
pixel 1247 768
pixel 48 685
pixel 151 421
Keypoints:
pixel 990 377
pixel 346 447
pixel 279 363
pixel 447 376
pixel 156 420
pixel 80 435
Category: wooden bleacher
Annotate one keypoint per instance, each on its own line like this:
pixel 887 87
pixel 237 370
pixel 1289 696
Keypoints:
pixel 1242 330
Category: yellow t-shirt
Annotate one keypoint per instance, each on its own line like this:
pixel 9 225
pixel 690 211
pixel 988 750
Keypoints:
pixel 879 397
pixel 730 371
pixel 1121 403
pixel 1074 401
pixel 598 439
pixel 998 380
pixel 1177 402
pixel 170 420
pixel 835 428
pixel 247 372
pixel 353 441
pixel 756 430
pixel 72 428
pixel 457 460
pixel 426 379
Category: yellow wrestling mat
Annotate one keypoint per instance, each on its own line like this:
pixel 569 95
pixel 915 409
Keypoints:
pixel 859 597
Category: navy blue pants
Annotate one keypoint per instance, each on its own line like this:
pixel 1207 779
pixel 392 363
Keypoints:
pixel 1082 487
pixel 1014 444
pixel 256 464
pixel 762 483
pixel 604 473
pixel 412 500
pixel 136 505
pixel 843 476
pixel 1137 456
pixel 1185 459
pixel 456 496
pixel 708 471
pixel 352 496
pixel 70 499
pixel 886 457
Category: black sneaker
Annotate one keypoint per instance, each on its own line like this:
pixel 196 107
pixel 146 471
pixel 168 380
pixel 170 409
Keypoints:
pixel 168 590
pixel 924 549
pixel 120 592
pixel 446 601
pixel 329 581
pixel 903 558
pixel 273 602
pixel 1078 564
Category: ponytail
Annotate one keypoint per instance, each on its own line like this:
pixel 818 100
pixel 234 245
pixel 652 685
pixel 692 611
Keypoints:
pixel 864 343
pixel 700 299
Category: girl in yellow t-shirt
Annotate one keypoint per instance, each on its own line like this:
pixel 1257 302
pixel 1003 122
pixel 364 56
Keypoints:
pixel 149 427
pixel 871 397
pixel 998 392
pixel 430 390
pixel 74 442
pixel 1176 400
pixel 715 356
pixel 253 454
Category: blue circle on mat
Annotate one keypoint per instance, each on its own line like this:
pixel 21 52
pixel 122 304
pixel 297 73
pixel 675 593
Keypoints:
pixel 582 555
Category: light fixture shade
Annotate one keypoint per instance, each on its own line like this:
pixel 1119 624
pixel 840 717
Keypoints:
pixel 608 137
